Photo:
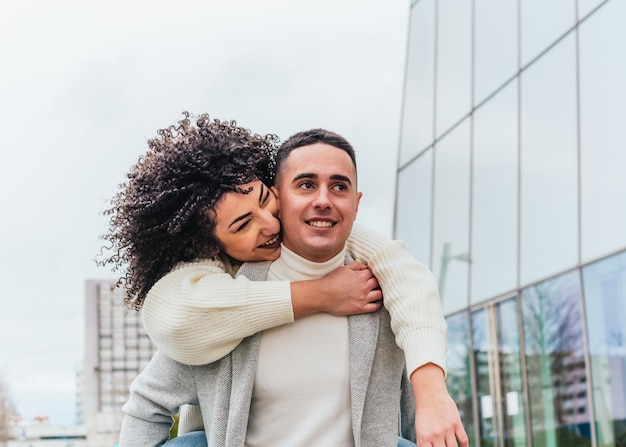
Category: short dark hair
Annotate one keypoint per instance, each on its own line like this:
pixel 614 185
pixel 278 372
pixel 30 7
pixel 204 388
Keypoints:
pixel 162 214
pixel 313 136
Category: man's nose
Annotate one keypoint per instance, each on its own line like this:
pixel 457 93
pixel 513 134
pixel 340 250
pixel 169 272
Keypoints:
pixel 322 198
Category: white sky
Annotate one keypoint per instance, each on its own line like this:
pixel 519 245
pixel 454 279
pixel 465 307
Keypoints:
pixel 84 84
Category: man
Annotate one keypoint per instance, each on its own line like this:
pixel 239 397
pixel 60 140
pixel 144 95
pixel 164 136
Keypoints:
pixel 274 387
pixel 316 187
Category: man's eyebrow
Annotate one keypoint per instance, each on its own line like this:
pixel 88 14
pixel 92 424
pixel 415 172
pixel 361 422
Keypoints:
pixel 342 178
pixel 304 175
pixel 307 175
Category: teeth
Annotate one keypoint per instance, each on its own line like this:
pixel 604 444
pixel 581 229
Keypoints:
pixel 271 241
pixel 321 224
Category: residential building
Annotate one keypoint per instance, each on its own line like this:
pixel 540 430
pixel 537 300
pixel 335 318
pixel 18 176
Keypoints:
pixel 116 350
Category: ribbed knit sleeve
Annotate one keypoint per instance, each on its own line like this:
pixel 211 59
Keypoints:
pixel 409 293
pixel 197 313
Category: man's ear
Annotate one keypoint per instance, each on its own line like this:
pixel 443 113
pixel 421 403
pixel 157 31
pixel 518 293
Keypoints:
pixel 275 192
pixel 358 200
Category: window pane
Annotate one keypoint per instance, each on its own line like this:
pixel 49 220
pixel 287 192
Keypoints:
pixel 559 409
pixel 494 201
pixel 453 62
pixel 495 47
pixel 414 206
pixel 603 116
pixel 459 378
pixel 549 216
pixel 586 6
pixel 451 222
pixel 418 108
pixel 485 369
pixel 510 362
pixel 543 22
pixel 605 305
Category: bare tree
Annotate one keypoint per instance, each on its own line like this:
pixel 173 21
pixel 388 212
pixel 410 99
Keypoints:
pixel 6 412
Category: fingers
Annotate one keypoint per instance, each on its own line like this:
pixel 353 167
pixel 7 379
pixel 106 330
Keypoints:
pixel 372 283
pixel 374 295
pixel 461 435
pixel 357 265
pixel 373 306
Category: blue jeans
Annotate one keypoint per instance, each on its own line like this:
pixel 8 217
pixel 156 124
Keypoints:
pixel 198 439
pixel 191 439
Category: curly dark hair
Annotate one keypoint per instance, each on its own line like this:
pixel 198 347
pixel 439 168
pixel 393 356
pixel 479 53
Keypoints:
pixel 162 215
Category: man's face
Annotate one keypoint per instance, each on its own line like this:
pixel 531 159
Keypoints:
pixel 318 200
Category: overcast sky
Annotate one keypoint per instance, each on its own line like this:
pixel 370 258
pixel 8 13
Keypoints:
pixel 84 84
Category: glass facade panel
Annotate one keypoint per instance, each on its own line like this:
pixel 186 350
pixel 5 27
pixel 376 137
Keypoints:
pixel 484 354
pixel 511 379
pixel 454 38
pixel 414 206
pixel 555 366
pixel 543 22
pixel 494 196
pixel 549 171
pixel 605 304
pixel 419 97
pixel 451 219
pixel 495 45
pixel 586 6
pixel 539 168
pixel 459 379
pixel 602 119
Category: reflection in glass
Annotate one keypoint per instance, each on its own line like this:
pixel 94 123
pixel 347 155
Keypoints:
pixel 451 219
pixel 602 120
pixel 511 380
pixel 543 22
pixel 484 369
pixel 454 20
pixel 494 196
pixel 549 162
pixel 413 209
pixel 459 379
pixel 559 407
pixel 605 305
pixel 418 108
pixel 495 46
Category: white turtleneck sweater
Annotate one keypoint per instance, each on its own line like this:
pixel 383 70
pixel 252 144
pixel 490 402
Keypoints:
pixel 301 390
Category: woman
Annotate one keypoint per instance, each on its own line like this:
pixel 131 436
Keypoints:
pixel 179 271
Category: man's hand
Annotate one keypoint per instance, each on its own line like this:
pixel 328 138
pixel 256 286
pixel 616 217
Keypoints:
pixel 348 290
pixel 437 419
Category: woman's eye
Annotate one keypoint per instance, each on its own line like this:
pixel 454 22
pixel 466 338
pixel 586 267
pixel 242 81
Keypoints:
pixel 266 199
pixel 243 226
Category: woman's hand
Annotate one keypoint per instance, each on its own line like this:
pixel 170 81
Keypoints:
pixel 348 290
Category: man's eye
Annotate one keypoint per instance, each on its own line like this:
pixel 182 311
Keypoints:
pixel 341 187
pixel 306 185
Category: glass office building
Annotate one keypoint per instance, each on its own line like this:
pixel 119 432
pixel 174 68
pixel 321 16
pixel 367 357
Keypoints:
pixel 512 188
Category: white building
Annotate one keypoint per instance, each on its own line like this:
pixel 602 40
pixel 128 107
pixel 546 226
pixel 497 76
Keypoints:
pixel 116 350
pixel 42 434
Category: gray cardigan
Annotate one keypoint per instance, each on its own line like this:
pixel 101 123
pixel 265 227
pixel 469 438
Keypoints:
pixel 223 389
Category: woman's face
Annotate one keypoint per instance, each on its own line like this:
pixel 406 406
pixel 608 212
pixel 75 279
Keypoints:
pixel 247 224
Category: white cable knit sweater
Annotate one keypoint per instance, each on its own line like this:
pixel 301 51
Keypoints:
pixel 198 312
